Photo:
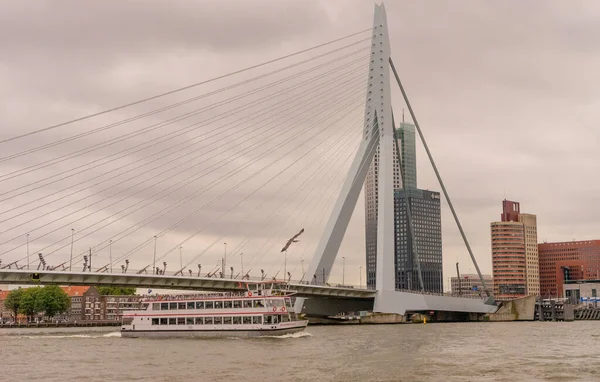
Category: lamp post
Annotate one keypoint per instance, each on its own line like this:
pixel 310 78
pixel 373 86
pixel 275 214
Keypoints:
pixel 360 275
pixel 284 264
pixel 343 270
pixel 224 261
pixel 180 258
pixel 110 254
pixel 154 259
pixel 71 258
pixel 27 251
pixel 242 263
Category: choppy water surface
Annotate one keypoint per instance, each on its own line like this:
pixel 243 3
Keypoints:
pixel 433 352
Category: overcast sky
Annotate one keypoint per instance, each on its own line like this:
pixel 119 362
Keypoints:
pixel 506 93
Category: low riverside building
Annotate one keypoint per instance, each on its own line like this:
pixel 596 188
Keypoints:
pixel 470 285
pixel 5 314
pixel 87 304
pixel 582 291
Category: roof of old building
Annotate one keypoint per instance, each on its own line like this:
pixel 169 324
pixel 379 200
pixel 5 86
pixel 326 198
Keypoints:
pixel 73 291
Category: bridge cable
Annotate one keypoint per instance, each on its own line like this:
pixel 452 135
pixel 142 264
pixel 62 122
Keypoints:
pixel 157 141
pixel 101 227
pixel 146 180
pixel 182 88
pixel 175 119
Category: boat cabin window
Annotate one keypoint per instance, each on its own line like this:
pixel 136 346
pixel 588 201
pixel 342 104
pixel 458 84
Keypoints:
pixel 191 305
pixel 155 321
pixel 259 303
pixel 237 304
pixel 247 303
pixel 208 320
pixel 237 320
pixel 227 304
pixel 172 321
pixel 156 306
pixel 288 302
pixel 144 305
pixel 272 302
pixel 199 321
pixel 189 320
pixel 172 306
pixel 180 320
pixel 164 306
pixel 218 304
pixel 208 305
pixel 284 318
pixel 218 320
pixel 257 320
pixel 181 305
pixel 226 320
pixel 270 320
pixel 247 320
pixel 163 321
pixel 199 304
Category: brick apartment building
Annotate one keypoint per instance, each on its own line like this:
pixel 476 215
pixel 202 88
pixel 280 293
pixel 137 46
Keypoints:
pixel 572 260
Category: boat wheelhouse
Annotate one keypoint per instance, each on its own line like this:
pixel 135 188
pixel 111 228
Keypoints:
pixel 264 309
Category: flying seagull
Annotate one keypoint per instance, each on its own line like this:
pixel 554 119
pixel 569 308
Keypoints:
pixel 292 240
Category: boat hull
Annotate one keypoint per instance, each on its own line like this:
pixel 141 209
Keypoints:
pixel 210 333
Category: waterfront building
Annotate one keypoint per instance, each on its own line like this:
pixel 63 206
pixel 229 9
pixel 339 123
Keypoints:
pixel 514 253
pixel 582 291
pixel 87 304
pixel 426 216
pixel 469 285
pixel 75 293
pixel 566 261
pixel 5 314
pixel 427 227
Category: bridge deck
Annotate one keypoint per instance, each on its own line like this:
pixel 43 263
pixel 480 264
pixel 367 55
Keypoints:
pixel 24 277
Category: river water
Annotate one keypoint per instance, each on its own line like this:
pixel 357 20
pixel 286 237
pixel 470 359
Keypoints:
pixel 527 351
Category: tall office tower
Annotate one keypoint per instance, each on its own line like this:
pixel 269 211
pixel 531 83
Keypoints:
pixel 426 216
pixel 514 257
pixel 370 189
pixel 425 211
pixel 532 266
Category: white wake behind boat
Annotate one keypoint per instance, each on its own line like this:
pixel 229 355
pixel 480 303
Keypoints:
pixel 263 309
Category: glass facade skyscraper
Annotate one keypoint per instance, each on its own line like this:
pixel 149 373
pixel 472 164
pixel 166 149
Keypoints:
pixel 426 217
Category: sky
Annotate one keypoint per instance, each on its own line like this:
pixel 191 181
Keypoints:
pixel 505 92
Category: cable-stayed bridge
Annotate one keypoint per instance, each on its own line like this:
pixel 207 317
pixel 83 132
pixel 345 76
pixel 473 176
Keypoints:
pixel 202 187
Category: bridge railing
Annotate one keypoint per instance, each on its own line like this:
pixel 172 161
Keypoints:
pixel 187 274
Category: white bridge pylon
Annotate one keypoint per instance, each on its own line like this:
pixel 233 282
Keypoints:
pixel 378 131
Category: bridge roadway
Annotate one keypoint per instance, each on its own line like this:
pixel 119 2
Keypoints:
pixel 24 277
pixel 327 300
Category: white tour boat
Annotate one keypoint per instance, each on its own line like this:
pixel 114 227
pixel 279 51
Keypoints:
pixel 262 310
